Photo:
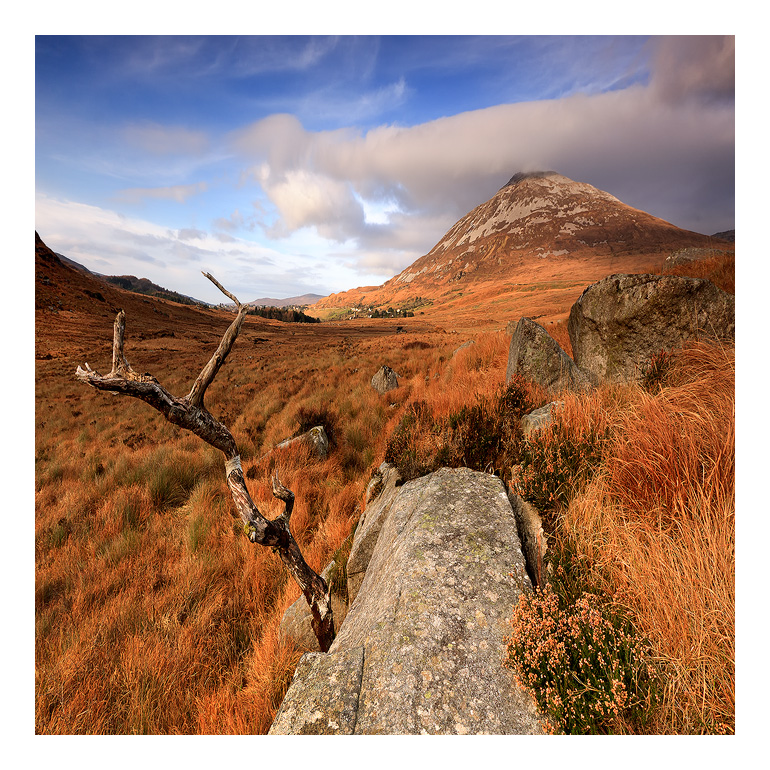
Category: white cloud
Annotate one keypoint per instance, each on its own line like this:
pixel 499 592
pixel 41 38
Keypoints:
pixel 313 200
pixel 109 243
pixel 650 153
pixel 190 234
pixel 695 67
pixel 368 203
pixel 650 150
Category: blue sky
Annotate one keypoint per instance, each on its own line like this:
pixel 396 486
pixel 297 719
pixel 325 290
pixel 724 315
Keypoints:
pixel 286 165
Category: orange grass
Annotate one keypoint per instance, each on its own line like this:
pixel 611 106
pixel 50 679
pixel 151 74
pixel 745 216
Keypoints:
pixel 153 613
pixel 658 524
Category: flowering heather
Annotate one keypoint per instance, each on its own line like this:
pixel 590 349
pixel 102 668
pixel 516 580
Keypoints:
pixel 558 459
pixel 581 661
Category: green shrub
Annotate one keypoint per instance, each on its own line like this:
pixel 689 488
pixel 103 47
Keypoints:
pixel 60 532
pixel 170 483
pixel 515 399
pixel 583 663
pixel 197 529
pixel 655 372
pixel 484 436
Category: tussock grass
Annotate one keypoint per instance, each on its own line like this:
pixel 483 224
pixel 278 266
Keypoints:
pixel 153 613
pixel 658 524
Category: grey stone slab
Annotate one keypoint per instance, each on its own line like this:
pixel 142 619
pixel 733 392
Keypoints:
pixel 431 618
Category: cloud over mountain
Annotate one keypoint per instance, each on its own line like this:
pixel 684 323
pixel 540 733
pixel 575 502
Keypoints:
pixel 355 154
pixel 654 145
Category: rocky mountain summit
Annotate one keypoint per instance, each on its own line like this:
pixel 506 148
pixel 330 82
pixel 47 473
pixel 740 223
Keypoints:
pixel 536 218
pixel 542 215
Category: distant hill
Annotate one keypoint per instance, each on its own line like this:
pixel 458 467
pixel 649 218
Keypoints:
pixel 305 299
pixel 150 289
pixel 60 287
pixel 538 224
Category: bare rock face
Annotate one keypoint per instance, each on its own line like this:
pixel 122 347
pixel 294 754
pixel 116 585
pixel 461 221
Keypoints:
pixel 422 647
pixel 385 379
pixel 383 490
pixel 620 322
pixel 536 355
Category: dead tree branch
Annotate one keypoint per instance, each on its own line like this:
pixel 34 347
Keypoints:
pixel 190 413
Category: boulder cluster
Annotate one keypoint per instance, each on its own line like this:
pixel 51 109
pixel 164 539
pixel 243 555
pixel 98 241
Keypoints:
pixel 617 326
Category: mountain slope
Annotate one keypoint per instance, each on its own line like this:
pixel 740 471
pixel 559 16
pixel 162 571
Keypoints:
pixel 542 222
pixel 133 284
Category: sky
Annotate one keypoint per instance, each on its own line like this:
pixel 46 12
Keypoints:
pixel 293 164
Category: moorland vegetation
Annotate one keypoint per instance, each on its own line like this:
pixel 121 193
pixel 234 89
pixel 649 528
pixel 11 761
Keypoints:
pixel 154 614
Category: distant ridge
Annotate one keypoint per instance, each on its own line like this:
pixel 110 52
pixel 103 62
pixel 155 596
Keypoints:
pixel 133 284
pixel 304 299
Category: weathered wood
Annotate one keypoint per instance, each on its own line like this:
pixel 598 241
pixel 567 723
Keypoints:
pixel 190 413
pixel 206 377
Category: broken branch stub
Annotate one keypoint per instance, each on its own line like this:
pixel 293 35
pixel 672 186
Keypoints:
pixel 190 413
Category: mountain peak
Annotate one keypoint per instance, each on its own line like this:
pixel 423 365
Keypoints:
pixel 522 175
pixel 540 221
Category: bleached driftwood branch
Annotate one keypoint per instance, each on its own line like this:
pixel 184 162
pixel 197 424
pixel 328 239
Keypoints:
pixel 190 413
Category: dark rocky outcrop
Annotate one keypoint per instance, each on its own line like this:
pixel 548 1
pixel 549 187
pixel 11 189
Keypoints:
pixel 619 323
pixel 385 379
pixel 687 256
pixel 533 538
pixel 538 357
pixel 422 647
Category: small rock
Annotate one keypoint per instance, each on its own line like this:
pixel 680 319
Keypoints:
pixel 539 418
pixel 316 437
pixel 385 379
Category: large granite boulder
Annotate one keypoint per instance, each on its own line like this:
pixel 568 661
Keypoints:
pixel 618 324
pixel 537 356
pixel 422 647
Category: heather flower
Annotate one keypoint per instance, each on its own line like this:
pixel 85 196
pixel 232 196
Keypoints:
pixel 580 660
